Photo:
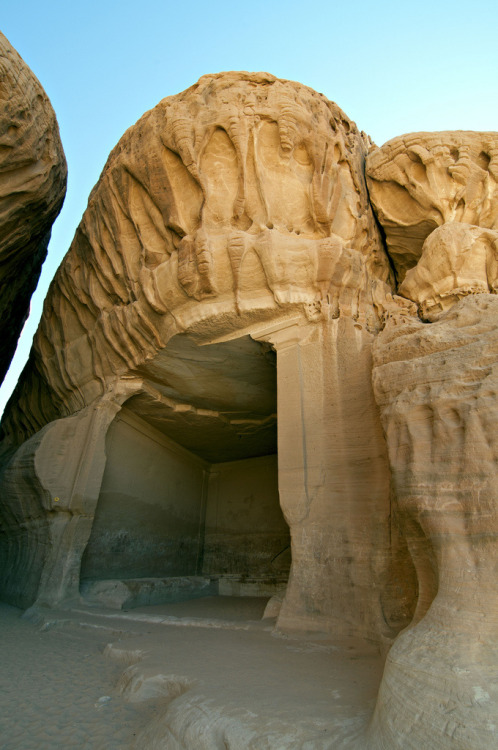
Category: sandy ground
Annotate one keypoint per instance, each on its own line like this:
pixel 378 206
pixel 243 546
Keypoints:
pixel 54 690
pixel 203 674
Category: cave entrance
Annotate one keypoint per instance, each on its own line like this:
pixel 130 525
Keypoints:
pixel 189 500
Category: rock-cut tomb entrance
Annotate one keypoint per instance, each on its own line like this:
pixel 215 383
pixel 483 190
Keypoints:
pixel 189 500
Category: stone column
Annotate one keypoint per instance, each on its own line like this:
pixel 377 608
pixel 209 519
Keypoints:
pixel 70 463
pixel 334 482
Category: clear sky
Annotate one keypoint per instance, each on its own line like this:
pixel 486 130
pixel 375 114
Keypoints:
pixel 393 67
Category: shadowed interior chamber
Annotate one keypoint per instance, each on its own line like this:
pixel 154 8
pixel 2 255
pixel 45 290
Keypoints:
pixel 191 481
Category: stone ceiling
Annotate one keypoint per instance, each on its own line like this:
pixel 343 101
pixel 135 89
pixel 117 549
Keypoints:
pixel 218 401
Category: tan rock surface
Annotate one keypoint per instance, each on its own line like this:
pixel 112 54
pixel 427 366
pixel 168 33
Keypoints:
pixel 437 387
pixel 199 408
pixel 32 187
pixel 419 181
pixel 457 259
pixel 226 205
pixel 231 222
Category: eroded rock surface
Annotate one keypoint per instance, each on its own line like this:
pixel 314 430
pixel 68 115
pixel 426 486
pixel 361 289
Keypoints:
pixel 457 260
pixel 228 248
pixel 419 181
pixel 245 194
pixel 32 188
pixel 199 400
pixel 437 388
pixel 436 382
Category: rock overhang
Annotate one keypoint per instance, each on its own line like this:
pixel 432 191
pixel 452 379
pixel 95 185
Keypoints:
pixel 237 202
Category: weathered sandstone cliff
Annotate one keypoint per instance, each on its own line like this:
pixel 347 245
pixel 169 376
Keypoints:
pixel 236 200
pixel 419 181
pixel 32 188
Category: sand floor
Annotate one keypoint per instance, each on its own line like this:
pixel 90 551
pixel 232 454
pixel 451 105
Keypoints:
pixel 203 674
pixel 54 689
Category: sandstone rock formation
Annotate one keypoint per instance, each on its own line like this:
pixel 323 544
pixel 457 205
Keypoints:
pixel 436 386
pixel 245 194
pixel 32 187
pixel 230 222
pixel 234 384
pixel 418 182
pixel 457 260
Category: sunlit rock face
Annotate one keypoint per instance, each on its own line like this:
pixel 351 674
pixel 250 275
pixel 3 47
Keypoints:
pixel 223 290
pixel 419 181
pixel 233 202
pixel 233 385
pixel 457 260
pixel 435 381
pixel 32 187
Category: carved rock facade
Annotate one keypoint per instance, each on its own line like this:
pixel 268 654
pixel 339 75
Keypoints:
pixel 235 384
pixel 231 222
pixel 32 188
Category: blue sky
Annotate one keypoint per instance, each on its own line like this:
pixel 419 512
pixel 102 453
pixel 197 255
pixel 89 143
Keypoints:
pixel 393 67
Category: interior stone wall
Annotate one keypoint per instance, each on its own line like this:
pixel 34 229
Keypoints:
pixel 149 511
pixel 163 511
pixel 245 529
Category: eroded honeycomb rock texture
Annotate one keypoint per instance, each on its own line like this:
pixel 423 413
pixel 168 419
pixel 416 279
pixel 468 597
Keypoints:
pixel 32 188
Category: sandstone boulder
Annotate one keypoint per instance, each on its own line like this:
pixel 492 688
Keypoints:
pixel 238 199
pixel 457 259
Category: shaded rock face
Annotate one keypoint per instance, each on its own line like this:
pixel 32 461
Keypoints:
pixel 32 188
pixel 437 388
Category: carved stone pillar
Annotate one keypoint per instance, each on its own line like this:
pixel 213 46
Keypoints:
pixel 333 481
